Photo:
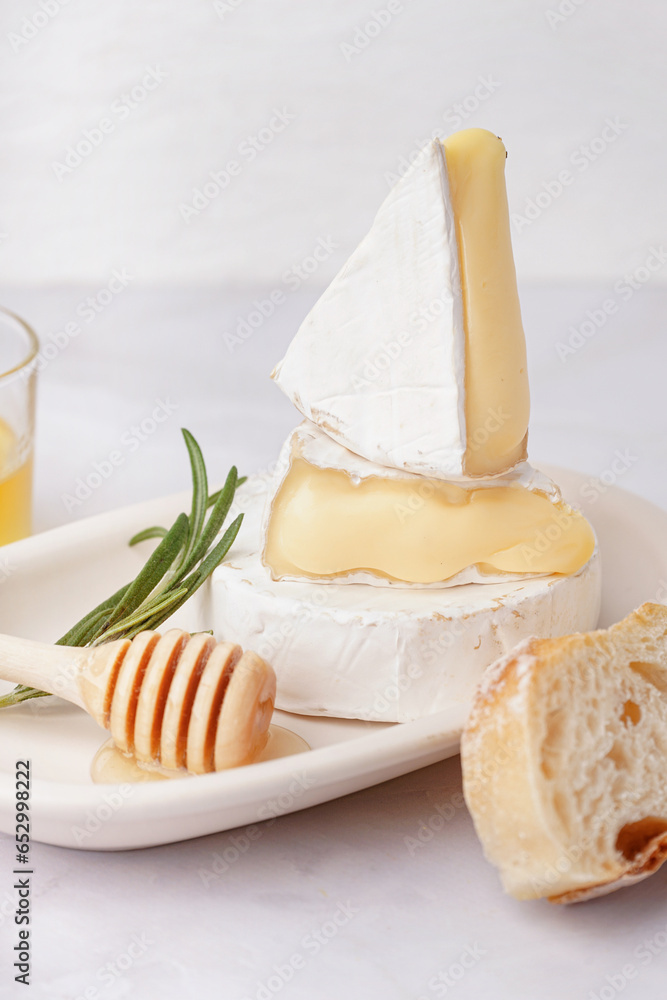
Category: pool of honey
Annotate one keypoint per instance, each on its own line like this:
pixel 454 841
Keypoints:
pixel 113 767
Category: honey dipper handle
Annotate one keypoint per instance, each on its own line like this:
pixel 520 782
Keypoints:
pixel 55 669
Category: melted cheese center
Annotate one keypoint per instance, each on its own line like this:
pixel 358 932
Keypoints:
pixel 323 524
pixel 497 401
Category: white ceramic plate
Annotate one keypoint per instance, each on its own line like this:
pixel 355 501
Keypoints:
pixel 49 581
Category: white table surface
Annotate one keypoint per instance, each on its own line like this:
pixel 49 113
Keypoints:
pixel 405 915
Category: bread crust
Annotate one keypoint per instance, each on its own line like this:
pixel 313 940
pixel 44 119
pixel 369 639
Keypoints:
pixel 645 864
pixel 519 808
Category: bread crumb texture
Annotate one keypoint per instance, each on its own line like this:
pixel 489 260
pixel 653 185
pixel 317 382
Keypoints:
pixel 564 756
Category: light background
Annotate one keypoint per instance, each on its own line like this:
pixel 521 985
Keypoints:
pixel 556 78
pixel 598 408
pixel 557 71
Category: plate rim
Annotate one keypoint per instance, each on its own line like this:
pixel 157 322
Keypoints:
pixel 421 741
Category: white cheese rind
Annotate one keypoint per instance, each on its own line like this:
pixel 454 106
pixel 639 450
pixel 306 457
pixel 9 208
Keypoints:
pixel 307 441
pixel 380 653
pixel 379 362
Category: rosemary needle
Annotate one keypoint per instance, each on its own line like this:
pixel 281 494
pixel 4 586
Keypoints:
pixel 184 559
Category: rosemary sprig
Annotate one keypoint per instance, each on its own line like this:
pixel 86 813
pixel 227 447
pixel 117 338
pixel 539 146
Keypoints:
pixel 185 557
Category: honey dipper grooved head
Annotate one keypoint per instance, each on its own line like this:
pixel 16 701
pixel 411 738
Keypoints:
pixel 181 700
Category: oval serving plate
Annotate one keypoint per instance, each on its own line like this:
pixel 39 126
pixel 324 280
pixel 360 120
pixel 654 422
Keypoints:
pixel 50 580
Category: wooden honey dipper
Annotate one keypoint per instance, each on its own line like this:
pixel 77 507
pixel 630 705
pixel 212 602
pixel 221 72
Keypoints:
pixel 180 700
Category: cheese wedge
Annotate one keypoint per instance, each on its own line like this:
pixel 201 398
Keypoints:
pixel 388 654
pixel 335 516
pixel 414 357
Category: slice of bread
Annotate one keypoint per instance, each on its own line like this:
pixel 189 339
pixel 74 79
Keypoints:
pixel 565 760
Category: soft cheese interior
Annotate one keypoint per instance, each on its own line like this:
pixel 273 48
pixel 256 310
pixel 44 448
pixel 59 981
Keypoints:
pixel 497 401
pixel 334 515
